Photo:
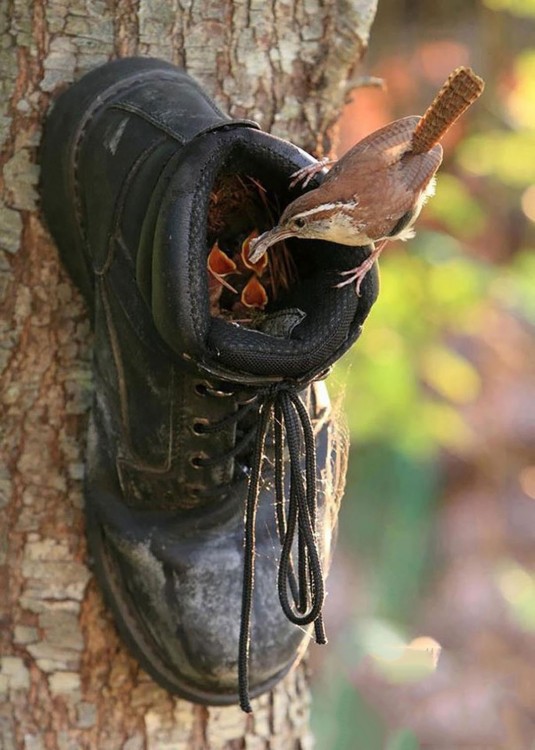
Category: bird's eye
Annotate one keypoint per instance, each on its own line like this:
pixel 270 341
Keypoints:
pixel 300 223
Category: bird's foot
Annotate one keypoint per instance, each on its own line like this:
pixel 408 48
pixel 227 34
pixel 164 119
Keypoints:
pixel 359 272
pixel 305 174
pixel 355 274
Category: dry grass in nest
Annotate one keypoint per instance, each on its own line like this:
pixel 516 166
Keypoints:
pixel 239 207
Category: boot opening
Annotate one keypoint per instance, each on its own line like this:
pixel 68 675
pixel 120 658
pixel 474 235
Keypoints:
pixel 288 318
pixel 247 198
pixel 241 207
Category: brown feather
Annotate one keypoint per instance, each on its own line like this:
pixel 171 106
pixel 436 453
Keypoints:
pixel 383 179
pixel 461 90
pixel 378 169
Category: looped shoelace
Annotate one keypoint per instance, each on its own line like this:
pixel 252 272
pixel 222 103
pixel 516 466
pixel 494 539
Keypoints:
pixel 307 589
pixel 301 595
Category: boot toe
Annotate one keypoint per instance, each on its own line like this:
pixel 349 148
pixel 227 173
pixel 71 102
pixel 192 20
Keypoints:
pixel 178 605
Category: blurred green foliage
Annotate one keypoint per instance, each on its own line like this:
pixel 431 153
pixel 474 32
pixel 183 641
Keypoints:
pixel 519 7
pixel 341 720
pixel 405 380
pixel 387 510
pixel 412 373
pixel 518 587
pixel 515 289
pixel 508 156
pixel 403 740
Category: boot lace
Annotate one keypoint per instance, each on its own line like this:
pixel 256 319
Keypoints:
pixel 301 593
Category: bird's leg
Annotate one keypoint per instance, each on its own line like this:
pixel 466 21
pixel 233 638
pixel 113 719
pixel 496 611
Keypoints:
pixel 359 272
pixel 307 173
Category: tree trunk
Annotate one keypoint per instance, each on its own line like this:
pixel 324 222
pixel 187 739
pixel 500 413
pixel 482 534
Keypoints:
pixel 66 681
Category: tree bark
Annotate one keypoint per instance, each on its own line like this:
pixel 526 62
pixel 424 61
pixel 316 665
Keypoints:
pixel 66 681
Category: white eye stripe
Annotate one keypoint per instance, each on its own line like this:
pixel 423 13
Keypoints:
pixel 316 210
pixel 327 207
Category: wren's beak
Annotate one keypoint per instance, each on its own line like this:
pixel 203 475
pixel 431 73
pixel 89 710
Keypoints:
pixel 259 246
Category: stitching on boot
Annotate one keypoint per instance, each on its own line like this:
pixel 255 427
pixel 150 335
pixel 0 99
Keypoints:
pixel 91 113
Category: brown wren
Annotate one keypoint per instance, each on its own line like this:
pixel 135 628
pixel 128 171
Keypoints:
pixel 376 190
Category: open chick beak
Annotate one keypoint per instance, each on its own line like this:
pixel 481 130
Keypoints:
pixel 259 246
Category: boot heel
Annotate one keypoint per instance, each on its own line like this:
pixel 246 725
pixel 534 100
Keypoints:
pixel 63 133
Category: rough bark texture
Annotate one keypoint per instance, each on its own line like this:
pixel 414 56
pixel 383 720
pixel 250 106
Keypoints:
pixel 66 681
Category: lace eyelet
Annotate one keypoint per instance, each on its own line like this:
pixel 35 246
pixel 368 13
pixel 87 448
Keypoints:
pixel 201 389
pixel 204 388
pixel 199 425
pixel 194 491
pixel 245 401
pixel 196 460
pixel 219 394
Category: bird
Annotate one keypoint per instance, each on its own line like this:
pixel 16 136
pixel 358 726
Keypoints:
pixel 376 190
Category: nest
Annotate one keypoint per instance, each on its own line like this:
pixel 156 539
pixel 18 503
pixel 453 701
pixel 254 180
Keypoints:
pixel 241 291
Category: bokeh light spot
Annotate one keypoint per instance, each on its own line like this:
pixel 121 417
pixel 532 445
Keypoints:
pixel 527 481
pixel 518 589
pixel 528 202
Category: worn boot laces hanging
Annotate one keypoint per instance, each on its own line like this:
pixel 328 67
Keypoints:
pixel 290 416
pixel 301 594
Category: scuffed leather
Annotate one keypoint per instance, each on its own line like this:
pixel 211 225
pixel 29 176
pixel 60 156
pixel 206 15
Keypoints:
pixel 130 155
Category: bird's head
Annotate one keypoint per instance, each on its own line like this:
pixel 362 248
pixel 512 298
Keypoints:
pixel 314 216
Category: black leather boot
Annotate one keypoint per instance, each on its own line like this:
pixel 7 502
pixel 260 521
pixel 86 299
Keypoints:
pixel 198 422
